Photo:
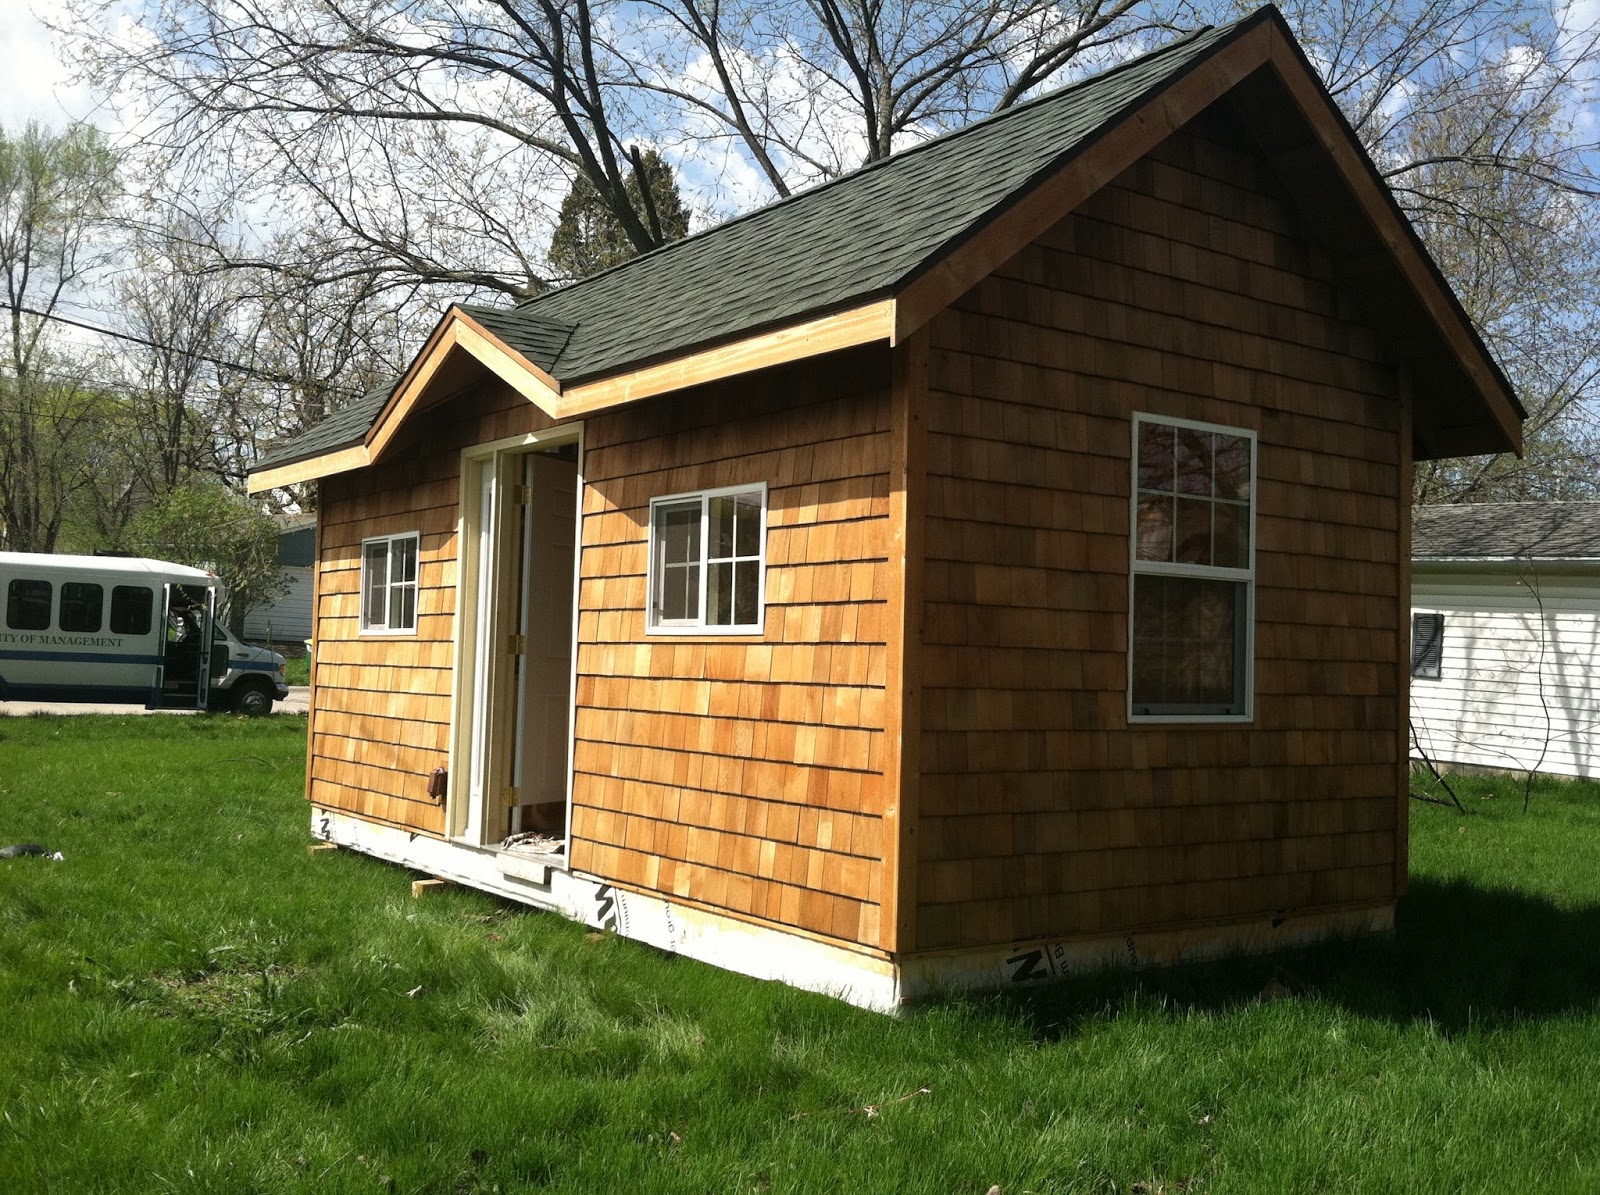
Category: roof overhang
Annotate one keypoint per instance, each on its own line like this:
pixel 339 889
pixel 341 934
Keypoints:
pixel 1463 403
pixel 431 377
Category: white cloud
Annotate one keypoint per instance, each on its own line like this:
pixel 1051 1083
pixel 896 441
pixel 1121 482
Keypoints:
pixel 38 84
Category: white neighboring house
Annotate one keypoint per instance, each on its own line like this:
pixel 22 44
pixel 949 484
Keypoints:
pixel 288 620
pixel 1505 636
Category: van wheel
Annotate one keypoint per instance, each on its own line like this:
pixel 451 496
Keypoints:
pixel 252 700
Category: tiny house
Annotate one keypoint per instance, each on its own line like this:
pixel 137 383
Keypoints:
pixel 991 564
pixel 1505 636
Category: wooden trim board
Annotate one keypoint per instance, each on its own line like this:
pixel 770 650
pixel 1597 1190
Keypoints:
pixel 342 461
pixel 830 333
pixel 903 680
pixel 457 330
pixel 1402 829
pixel 825 334
pixel 311 662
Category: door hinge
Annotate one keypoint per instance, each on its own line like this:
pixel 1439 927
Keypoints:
pixel 509 794
pixel 521 494
pixel 517 645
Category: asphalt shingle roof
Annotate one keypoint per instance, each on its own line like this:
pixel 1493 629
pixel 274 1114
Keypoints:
pixel 1500 530
pixel 345 427
pixel 538 339
pixel 846 242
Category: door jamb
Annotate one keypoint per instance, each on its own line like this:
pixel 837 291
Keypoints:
pixel 462 686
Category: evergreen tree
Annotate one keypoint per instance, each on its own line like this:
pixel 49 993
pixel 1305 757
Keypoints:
pixel 589 237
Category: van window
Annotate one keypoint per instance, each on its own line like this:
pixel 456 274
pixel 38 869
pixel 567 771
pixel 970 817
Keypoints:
pixel 28 605
pixel 81 606
pixel 130 609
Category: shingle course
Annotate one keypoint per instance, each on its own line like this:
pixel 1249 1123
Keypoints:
pixel 345 427
pixel 1501 530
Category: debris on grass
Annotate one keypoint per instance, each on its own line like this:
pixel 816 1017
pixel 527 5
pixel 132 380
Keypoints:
pixel 872 1110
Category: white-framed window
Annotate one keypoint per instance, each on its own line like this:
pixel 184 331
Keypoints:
pixel 708 555
pixel 389 584
pixel 1427 646
pixel 1192 571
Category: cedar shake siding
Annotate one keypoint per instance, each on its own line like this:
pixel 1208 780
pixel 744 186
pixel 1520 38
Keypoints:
pixel 743 772
pixel 1185 289
pixel 382 703
pixel 919 769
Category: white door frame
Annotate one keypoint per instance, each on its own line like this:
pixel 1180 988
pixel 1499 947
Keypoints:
pixel 483 469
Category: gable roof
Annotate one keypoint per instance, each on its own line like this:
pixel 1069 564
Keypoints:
pixel 874 254
pixel 1507 530
pixel 850 240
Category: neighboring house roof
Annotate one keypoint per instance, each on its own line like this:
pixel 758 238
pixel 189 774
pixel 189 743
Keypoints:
pixel 1507 530
pixel 881 233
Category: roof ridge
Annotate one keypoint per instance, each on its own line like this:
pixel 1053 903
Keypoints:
pixel 865 168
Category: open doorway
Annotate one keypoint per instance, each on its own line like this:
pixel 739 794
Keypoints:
pixel 188 665
pixel 517 599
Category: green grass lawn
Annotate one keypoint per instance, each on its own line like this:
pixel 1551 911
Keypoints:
pixel 192 1002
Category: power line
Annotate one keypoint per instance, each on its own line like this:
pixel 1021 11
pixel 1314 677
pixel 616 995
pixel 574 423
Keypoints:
pixel 252 371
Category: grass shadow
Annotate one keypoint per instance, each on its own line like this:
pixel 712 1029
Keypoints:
pixel 1462 957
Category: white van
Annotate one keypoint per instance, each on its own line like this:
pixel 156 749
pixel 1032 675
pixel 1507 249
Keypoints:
pixel 112 628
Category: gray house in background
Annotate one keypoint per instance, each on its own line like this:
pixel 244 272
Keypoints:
pixel 288 620
pixel 1505 636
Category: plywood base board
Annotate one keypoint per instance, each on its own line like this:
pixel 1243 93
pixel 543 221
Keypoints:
pixel 758 951
pixel 766 952
pixel 989 968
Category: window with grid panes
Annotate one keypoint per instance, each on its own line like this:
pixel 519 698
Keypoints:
pixel 389 584
pixel 1192 570
pixel 707 558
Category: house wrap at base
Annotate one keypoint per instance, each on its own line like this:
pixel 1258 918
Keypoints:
pixel 991 564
